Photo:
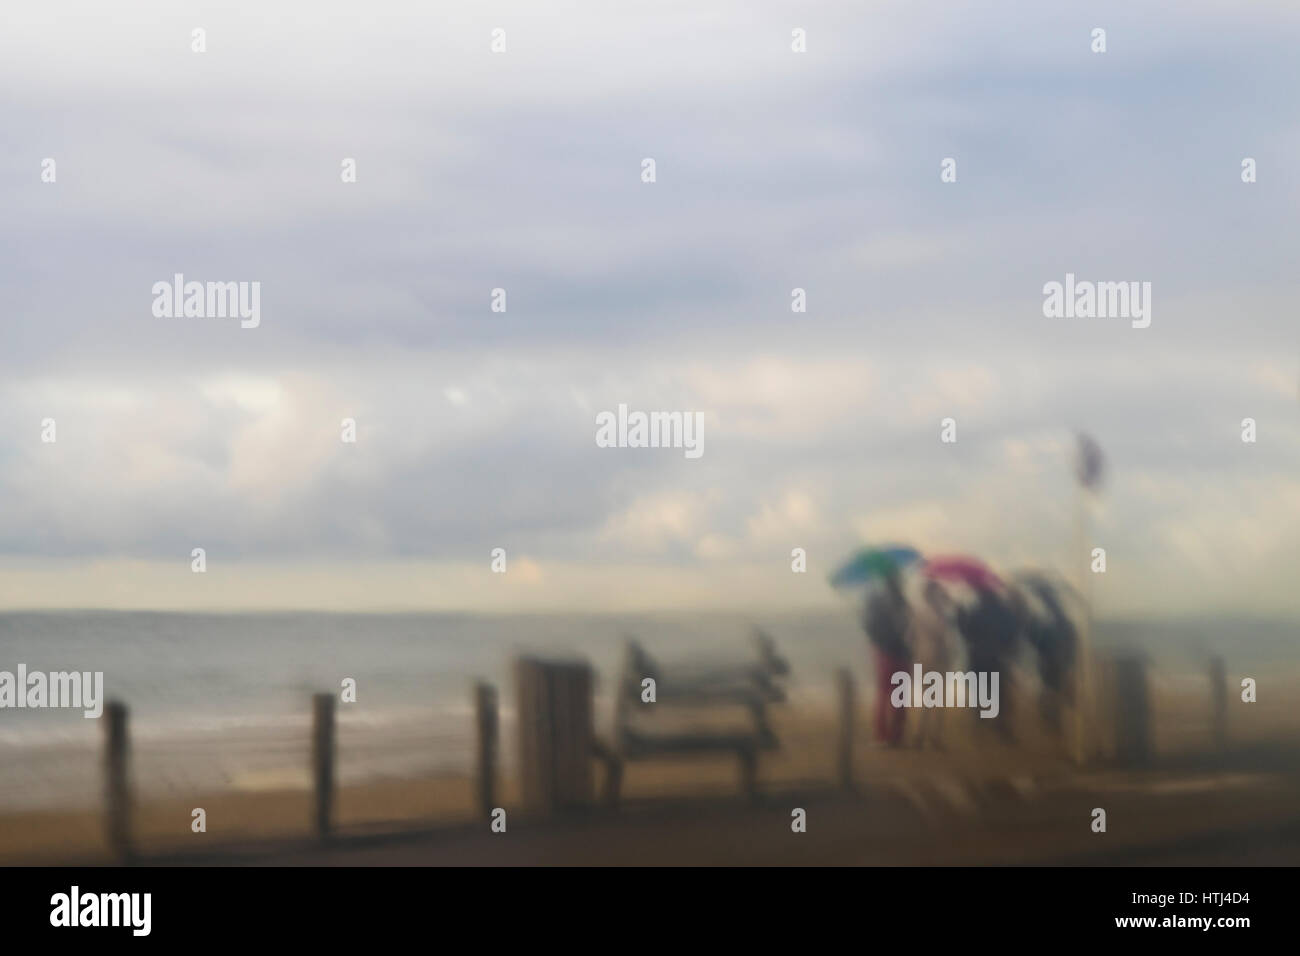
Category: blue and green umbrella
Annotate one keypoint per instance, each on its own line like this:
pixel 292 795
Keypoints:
pixel 872 564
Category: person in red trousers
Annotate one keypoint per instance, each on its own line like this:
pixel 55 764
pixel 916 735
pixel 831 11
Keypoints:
pixel 886 619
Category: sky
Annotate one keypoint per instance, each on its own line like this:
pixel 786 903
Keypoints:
pixel 522 170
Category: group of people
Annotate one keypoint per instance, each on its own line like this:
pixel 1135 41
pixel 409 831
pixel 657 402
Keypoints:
pixel 992 632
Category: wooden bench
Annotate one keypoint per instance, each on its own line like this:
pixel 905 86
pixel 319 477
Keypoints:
pixel 685 690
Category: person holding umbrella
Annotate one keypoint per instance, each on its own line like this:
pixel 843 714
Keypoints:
pixel 886 618
pixel 1051 631
pixel 992 632
pixel 990 628
pixel 931 622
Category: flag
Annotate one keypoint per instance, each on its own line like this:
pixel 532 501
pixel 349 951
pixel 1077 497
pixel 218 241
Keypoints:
pixel 1089 464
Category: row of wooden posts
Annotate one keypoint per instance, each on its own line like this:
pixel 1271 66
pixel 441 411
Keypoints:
pixel 556 743
pixel 117 791
pixel 555 704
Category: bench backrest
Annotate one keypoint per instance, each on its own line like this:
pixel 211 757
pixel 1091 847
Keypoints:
pixel 752 685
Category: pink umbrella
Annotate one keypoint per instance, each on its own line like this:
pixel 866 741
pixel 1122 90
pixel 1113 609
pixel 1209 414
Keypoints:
pixel 965 570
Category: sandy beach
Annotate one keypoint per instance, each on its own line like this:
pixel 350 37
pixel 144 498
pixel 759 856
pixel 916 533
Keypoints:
pixel 977 801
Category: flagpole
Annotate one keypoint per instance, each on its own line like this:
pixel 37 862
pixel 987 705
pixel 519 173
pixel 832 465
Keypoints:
pixel 1089 472
pixel 1083 657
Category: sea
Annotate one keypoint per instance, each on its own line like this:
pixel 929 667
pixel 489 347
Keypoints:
pixel 223 701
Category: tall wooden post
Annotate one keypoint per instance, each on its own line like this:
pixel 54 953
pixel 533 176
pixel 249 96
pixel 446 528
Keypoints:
pixel 844 748
pixel 555 734
pixel 1218 704
pixel 117 789
pixel 485 713
pixel 322 761
pixel 1132 711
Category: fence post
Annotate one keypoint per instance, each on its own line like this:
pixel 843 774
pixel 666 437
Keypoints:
pixel 1219 703
pixel 485 712
pixel 844 750
pixel 117 791
pixel 1132 708
pixel 322 760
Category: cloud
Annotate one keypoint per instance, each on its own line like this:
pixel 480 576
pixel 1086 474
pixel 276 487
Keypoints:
pixel 520 171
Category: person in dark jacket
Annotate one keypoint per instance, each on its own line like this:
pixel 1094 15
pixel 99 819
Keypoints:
pixel 1055 640
pixel 991 630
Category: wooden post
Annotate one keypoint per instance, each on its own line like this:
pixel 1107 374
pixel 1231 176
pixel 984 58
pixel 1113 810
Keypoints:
pixel 485 711
pixel 117 791
pixel 1218 703
pixel 844 750
pixel 555 734
pixel 1132 711
pixel 322 760
pixel 533 732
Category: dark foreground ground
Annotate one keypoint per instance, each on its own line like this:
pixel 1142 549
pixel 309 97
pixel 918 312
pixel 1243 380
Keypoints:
pixel 1241 814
